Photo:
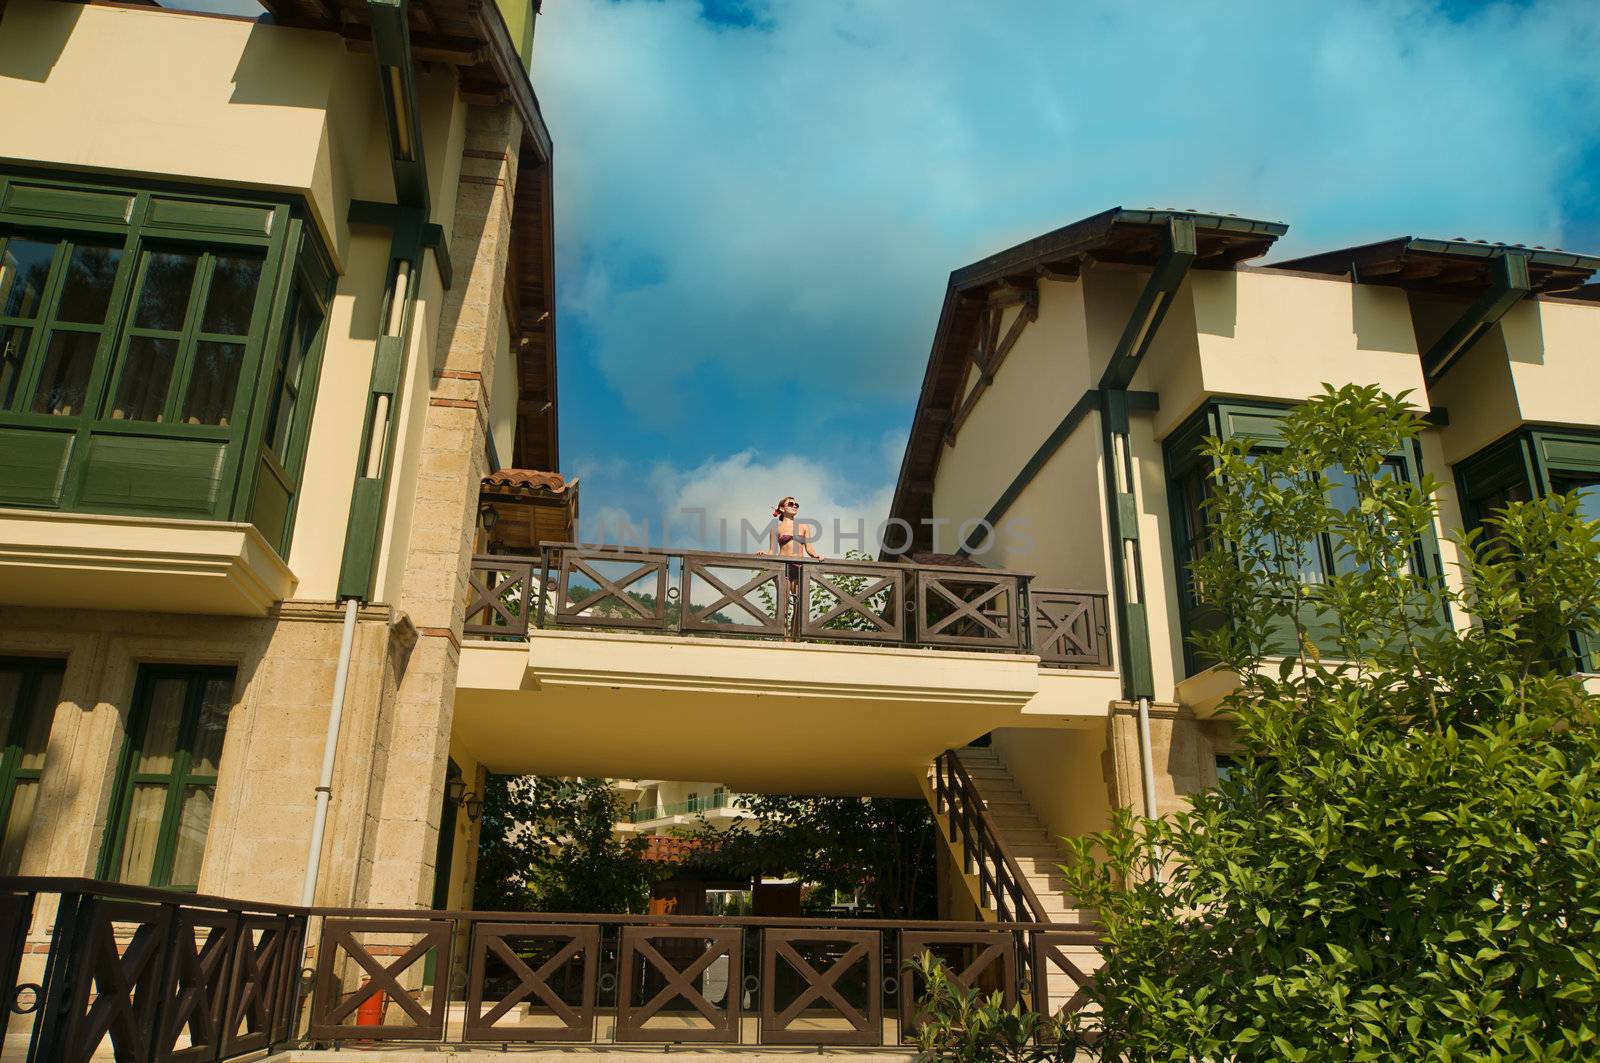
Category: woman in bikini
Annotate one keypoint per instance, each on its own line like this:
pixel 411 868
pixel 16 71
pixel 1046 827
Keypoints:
pixel 790 538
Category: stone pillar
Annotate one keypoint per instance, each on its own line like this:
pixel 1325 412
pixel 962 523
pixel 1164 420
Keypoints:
pixel 1180 745
pixel 451 466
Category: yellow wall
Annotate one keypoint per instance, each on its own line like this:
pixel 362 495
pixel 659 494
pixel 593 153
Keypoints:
pixel 503 400
pixel 1062 772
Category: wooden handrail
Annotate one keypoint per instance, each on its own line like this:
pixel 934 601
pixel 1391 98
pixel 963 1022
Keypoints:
pixel 981 841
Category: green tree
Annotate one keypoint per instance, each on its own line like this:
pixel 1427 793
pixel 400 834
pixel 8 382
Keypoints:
pixel 1406 864
pixel 546 845
pixel 880 847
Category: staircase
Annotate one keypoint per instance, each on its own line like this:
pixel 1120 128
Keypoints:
pixel 1034 890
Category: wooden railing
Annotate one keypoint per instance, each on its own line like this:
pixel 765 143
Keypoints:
pixel 706 593
pixel 1001 881
pixel 154 976
pixel 150 974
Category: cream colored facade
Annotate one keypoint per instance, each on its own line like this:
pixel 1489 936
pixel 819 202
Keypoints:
pixel 192 105
pixel 216 107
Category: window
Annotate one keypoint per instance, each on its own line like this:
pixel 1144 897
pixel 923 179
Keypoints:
pixel 168 777
pixel 1532 463
pixel 155 347
pixel 1189 483
pixel 29 691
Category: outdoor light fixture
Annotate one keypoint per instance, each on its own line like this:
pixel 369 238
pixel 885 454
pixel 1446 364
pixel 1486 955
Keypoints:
pixel 474 806
pixel 488 516
pixel 455 789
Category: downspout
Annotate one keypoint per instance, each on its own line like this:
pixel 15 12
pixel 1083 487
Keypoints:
pixel 412 233
pixel 1122 513
pixel 1509 285
pixel 330 747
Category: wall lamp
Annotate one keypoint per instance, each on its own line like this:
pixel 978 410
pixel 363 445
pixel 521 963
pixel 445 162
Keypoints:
pixel 455 791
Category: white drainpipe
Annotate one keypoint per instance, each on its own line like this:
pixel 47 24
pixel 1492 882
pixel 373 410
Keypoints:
pixel 1147 770
pixel 330 747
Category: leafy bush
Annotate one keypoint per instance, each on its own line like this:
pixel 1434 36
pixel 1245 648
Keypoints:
pixel 965 1025
pixel 1406 862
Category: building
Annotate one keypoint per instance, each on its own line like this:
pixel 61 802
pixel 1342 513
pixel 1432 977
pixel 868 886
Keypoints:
pixel 666 807
pixel 285 559
pixel 277 300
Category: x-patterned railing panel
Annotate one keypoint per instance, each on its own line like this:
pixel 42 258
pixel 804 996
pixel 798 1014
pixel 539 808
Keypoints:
pixel 982 959
pixel 863 954
pixel 502 590
pixel 261 994
pixel 498 942
pixel 1069 628
pixel 335 1013
pixel 751 603
pixel 635 598
pixel 642 962
pixel 199 969
pixel 848 608
pixel 969 607
pixel 1060 958
pixel 117 989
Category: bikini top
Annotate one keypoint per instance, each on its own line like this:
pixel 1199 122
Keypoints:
pixel 785 540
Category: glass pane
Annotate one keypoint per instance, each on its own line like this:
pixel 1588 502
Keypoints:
pixel 163 721
pixel 146 376
pixel 232 295
pixel 212 383
pixel 13 349
pixel 41 714
pixel 142 833
pixel 193 823
pixel 24 268
pixel 10 690
pixel 164 295
pixel 87 290
pixel 65 376
pixel 302 332
pixel 215 703
pixel 23 797
pixel 1587 490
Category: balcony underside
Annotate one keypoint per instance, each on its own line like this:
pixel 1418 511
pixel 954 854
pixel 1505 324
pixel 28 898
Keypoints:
pixel 92 561
pixel 758 716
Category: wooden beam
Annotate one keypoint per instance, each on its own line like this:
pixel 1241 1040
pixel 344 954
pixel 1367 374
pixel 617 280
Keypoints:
pixel 430 48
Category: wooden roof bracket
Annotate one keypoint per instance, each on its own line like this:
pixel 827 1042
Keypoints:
pixel 1510 285
pixel 1177 255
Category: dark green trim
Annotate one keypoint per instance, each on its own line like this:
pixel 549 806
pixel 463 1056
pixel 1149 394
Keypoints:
pixel 178 780
pixel 1122 523
pixel 1088 403
pixel 1509 284
pixel 397 81
pixel 1177 255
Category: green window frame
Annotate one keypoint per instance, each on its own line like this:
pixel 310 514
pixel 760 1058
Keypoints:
pixel 167 776
pixel 1534 462
pixel 1188 483
pixel 142 333
pixel 30 689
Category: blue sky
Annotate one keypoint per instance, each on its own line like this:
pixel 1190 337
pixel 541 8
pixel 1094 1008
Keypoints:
pixel 758 203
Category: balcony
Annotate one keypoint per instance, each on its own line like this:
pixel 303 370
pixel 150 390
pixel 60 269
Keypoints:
pixel 698 665
pixel 724 595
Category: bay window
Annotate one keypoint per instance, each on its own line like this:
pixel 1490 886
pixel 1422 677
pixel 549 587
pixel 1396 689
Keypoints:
pixel 156 350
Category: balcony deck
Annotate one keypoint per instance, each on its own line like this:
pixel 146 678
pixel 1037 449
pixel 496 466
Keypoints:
pixel 572 667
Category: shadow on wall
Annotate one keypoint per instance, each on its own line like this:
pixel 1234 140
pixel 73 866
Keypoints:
pixel 274 71
pixel 32 39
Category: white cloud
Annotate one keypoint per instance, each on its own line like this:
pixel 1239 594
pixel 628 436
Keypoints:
pixel 784 206
pixel 708 505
